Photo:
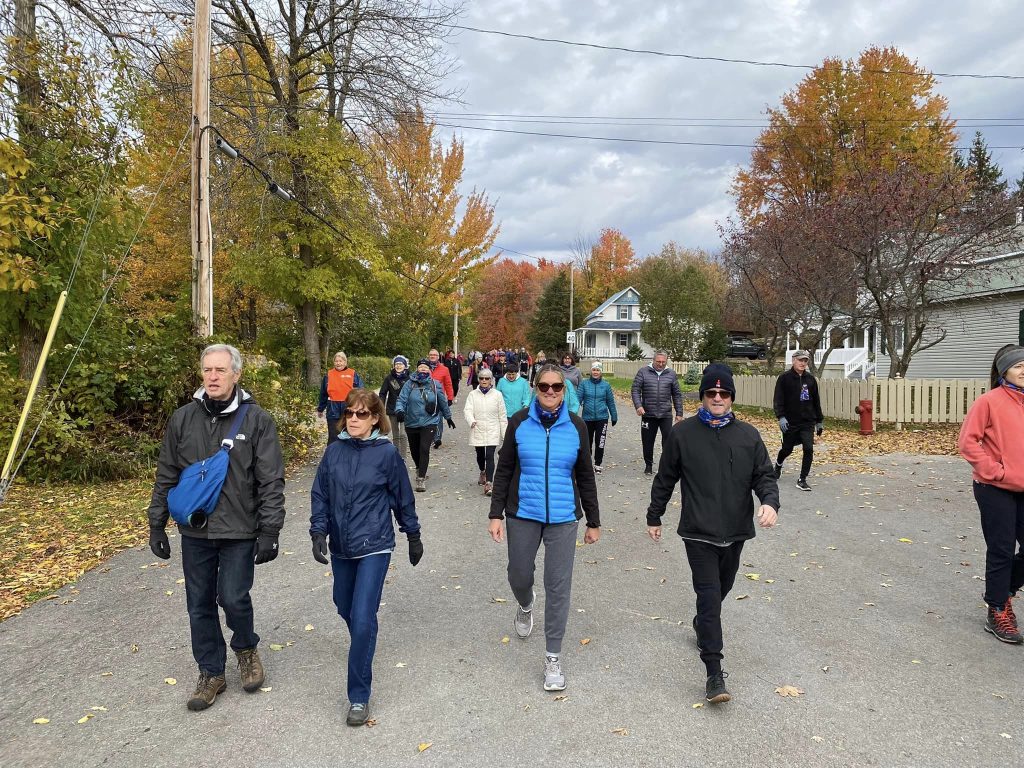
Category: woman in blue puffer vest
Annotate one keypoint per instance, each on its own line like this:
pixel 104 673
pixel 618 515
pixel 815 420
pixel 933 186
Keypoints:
pixel 598 402
pixel 543 485
pixel 361 482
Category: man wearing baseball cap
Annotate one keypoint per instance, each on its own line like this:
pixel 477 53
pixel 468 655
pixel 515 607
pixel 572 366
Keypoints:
pixel 798 409
pixel 719 461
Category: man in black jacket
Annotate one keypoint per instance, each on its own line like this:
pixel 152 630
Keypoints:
pixel 655 391
pixel 218 558
pixel 798 409
pixel 719 461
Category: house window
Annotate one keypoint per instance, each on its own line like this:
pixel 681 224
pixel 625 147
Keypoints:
pixel 899 333
pixel 623 339
pixel 624 312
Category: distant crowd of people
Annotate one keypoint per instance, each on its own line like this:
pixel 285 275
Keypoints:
pixel 539 430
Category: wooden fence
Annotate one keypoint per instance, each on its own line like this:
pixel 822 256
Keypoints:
pixel 899 401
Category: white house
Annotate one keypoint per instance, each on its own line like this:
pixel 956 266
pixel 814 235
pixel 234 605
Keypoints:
pixel 978 316
pixel 611 329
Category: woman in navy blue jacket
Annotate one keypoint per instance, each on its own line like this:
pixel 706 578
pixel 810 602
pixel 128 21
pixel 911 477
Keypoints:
pixel 361 483
pixel 543 485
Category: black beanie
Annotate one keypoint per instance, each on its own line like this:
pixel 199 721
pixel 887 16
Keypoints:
pixel 717 376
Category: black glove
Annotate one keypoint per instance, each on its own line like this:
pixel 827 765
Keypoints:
pixel 819 428
pixel 320 548
pixel 451 424
pixel 158 543
pixel 266 548
pixel 399 417
pixel 450 403
pixel 614 423
pixel 415 548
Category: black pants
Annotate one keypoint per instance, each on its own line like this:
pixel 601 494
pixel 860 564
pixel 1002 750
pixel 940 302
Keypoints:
pixel 790 438
pixel 333 429
pixel 714 572
pixel 218 572
pixel 485 460
pixel 598 433
pixel 1002 522
pixel 420 440
pixel 649 427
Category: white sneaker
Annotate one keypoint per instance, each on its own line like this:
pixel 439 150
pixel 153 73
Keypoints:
pixel 554 680
pixel 523 621
pixel 597 468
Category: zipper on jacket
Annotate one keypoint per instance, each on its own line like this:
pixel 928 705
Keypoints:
pixel 547 457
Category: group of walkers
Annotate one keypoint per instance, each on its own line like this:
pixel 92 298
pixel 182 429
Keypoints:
pixel 542 482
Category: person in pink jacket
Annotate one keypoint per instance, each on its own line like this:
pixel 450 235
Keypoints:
pixel 992 441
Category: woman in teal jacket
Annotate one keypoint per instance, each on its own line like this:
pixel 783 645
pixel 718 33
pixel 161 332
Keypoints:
pixel 598 402
pixel 420 406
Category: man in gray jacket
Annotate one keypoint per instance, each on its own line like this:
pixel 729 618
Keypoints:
pixel 218 558
pixel 655 391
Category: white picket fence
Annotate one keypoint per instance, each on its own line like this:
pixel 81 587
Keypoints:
pixel 628 368
pixel 901 401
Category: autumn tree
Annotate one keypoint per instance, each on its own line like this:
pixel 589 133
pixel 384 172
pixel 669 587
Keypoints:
pixel 430 235
pixel 603 268
pixel 504 300
pixel 551 320
pixel 845 118
pixel 682 292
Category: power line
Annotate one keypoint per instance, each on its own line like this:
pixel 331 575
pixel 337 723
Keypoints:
pixel 722 59
pixel 440 113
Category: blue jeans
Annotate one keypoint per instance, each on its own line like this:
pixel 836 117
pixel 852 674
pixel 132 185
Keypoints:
pixel 358 585
pixel 218 571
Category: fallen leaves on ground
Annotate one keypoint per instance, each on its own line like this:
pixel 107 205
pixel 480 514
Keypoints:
pixel 789 690
pixel 53 534
pixel 620 731
pixel 170 681
pixel 41 721
pixel 424 746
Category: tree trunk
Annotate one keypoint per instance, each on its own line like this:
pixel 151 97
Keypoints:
pixel 311 342
pixel 30 345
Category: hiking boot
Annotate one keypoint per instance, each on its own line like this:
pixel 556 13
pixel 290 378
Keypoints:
pixel 251 669
pixel 523 622
pixel 206 691
pixel 648 470
pixel 483 478
pixel 554 680
pixel 358 714
pixel 421 484
pixel 1003 624
pixel 802 485
pixel 597 468
pixel 487 489
pixel 778 471
pixel 437 443
pixel 715 690
pixel 699 649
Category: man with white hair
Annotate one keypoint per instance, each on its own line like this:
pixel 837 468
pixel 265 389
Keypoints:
pixel 220 549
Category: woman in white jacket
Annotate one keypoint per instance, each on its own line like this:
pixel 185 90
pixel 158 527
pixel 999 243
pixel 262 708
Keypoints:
pixel 485 413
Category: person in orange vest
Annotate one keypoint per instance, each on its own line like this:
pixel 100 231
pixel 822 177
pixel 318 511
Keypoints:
pixel 440 374
pixel 334 389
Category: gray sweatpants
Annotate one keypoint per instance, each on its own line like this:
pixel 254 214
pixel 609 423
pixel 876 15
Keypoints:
pixel 524 538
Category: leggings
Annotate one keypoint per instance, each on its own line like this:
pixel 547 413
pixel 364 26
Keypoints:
pixel 485 460
pixel 1002 523
pixel 420 440
pixel 598 434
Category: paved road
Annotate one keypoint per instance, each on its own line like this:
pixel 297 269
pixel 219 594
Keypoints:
pixel 884 637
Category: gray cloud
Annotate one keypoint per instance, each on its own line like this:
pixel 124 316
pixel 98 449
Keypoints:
pixel 549 190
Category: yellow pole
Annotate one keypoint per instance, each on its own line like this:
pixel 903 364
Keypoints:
pixel 5 475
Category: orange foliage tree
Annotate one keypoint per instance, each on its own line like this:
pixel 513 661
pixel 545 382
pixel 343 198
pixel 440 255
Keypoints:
pixel 505 298
pixel 603 266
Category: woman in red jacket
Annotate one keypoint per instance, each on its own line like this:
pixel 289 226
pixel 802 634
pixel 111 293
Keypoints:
pixel 990 440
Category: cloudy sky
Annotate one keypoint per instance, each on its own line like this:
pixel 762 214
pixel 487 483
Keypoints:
pixel 549 190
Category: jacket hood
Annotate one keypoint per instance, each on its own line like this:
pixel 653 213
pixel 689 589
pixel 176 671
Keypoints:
pixel 374 438
pixel 241 396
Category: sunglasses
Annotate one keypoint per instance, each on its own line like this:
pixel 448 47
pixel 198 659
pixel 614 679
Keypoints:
pixel 358 414
pixel 543 386
pixel 722 393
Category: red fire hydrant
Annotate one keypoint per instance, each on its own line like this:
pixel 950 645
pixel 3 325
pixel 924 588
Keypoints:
pixel 866 425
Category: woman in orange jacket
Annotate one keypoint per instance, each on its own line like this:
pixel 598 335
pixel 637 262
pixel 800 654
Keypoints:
pixel 334 391
pixel 990 440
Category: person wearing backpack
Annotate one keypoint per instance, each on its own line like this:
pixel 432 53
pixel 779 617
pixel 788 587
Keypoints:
pixel 219 552
pixel 421 404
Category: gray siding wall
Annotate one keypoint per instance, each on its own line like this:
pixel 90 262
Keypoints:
pixel 974 331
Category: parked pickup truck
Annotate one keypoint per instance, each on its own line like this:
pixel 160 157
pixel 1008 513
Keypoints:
pixel 741 346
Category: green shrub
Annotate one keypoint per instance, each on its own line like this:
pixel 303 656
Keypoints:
pixel 290 402
pixel 372 370
pixel 634 352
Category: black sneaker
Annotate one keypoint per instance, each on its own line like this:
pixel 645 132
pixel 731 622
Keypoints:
pixel 715 689
pixel 437 443
pixel 358 714
pixel 802 485
pixel 648 470
pixel 778 471
pixel 1003 624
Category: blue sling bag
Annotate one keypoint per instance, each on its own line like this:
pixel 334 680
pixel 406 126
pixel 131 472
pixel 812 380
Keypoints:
pixel 195 496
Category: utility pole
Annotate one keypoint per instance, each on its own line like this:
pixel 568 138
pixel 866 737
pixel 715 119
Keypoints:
pixel 202 255
pixel 455 333
pixel 572 295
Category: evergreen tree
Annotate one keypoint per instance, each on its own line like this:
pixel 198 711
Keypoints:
pixel 986 175
pixel 551 320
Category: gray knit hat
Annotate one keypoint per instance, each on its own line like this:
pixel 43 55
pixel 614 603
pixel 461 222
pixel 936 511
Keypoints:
pixel 1008 359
